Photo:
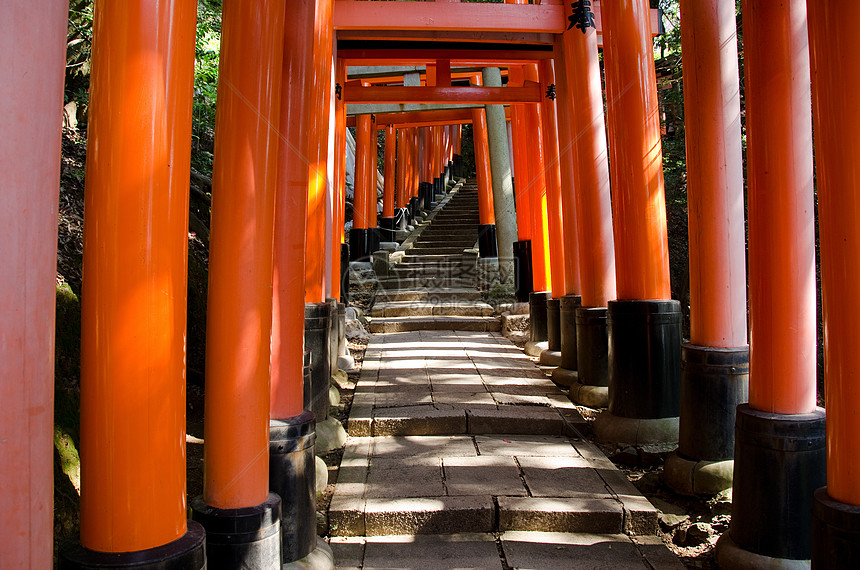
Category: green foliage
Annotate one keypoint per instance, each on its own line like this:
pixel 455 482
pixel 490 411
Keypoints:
pixel 206 54
pixel 79 40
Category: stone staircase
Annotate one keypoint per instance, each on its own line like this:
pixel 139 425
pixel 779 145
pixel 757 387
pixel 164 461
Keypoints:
pixel 461 452
pixel 433 285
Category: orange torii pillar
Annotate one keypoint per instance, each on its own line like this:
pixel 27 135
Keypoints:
pixel 291 426
pixel 360 234
pixel 318 309
pixel 487 229
pixel 558 253
pixel 456 156
pixel 340 279
pixel 644 323
pixel 236 484
pixel 414 173
pixel 401 190
pixel 371 173
pixel 779 435
pixel 595 244
pixel 836 507
pixel 715 368
pixel 566 374
pixel 523 281
pixel 436 161
pixel 541 268
pixel 425 164
pixel 133 504
pixel 386 222
pixel 32 53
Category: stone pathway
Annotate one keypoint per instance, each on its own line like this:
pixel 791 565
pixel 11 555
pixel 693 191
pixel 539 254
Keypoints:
pixel 462 453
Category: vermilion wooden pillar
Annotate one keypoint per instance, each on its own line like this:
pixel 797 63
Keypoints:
pixel 338 236
pixel 773 482
pixel 372 200
pixel 567 372
pixel 289 423
pixel 359 236
pixel 716 361
pixel 541 270
pixel 425 184
pixel 239 319
pixel 401 191
pixel 290 219
pixel 552 176
pixel 776 523
pixel 317 151
pixel 644 324
pixel 834 49
pixel 134 296
pixel 487 230
pixel 32 54
pixel 414 171
pixel 386 222
pixel 593 211
pixel 523 281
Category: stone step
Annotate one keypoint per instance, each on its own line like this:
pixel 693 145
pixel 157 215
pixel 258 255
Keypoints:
pixel 434 323
pixel 466 482
pixel 427 295
pixel 425 283
pixel 521 549
pixel 421 250
pixel 439 308
pixel 449 243
pixel 430 260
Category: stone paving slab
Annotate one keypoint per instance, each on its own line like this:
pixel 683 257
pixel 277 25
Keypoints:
pixel 521 549
pixel 553 550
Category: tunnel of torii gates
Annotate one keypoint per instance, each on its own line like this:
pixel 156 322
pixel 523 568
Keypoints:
pixel 593 261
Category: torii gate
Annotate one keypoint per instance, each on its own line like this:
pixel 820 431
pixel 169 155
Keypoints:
pixel 134 508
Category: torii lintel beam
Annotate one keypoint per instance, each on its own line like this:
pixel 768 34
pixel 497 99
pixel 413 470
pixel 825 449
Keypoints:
pixel 482 95
pixel 460 16
pixel 420 118
pixel 424 53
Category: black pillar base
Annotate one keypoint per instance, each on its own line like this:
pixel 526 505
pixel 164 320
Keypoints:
pixel 779 463
pixel 438 187
pixel 292 475
pixel 414 208
pixel 374 238
pixel 835 532
pixel 185 552
pixel 307 386
pixel 592 346
pixel 644 358
pixel 344 272
pixel 359 246
pixel 553 324
pixel 523 270
pixel 317 323
pixel 386 229
pixel 537 316
pixel 332 336
pixel 241 538
pixel 458 166
pixel 567 330
pixel 714 382
pixel 487 241
pixel 425 195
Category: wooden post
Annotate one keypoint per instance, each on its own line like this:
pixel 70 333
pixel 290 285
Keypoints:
pixel 32 54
